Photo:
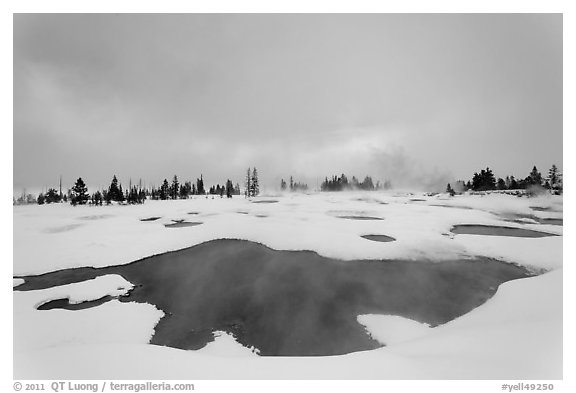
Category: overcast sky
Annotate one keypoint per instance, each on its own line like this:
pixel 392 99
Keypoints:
pixel 417 99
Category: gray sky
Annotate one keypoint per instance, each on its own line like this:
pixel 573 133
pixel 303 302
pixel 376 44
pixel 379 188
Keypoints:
pixel 418 99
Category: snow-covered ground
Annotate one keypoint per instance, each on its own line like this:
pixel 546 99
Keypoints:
pixel 515 335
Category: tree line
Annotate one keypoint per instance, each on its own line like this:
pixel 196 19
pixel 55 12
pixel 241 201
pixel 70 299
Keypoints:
pixel 294 186
pixel 486 181
pixel 134 194
pixel 341 183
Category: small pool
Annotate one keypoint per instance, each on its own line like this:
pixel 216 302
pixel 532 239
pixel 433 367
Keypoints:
pixel 379 238
pixel 489 230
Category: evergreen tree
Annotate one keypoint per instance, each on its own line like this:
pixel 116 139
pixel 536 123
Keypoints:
pixel 164 190
pixel 501 184
pixel 367 184
pixel 121 196
pixel 282 185
pixel 555 179
pixel 174 188
pixel 255 187
pixel 248 183
pixel 97 198
pixel 52 196
pixel 41 199
pixel 183 192
pixel 291 184
pixel 535 177
pixel 513 184
pixel 114 192
pixel 200 186
pixel 229 188
pixel 484 180
pixel 79 192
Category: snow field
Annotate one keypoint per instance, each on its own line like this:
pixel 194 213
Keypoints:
pixel 515 335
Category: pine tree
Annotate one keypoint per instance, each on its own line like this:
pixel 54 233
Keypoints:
pixel 174 188
pixel 291 184
pixel 79 192
pixel 555 179
pixel 535 177
pixel 248 183
pixel 200 186
pixel 513 184
pixel 41 199
pixel 114 193
pixel 229 188
pixel 97 198
pixel 255 187
pixel 121 196
pixel 501 184
pixel 449 190
pixel 164 190
pixel 282 185
pixel 52 196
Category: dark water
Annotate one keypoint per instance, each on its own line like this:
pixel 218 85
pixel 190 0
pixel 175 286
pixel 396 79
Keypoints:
pixel 360 218
pixel 545 209
pixel 182 224
pixel 266 201
pixel 66 305
pixel 290 303
pixel 379 238
pixel 150 219
pixel 551 221
pixel 453 207
pixel 489 230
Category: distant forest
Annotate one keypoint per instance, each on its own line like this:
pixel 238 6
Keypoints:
pixel 534 182
pixel 134 194
pixel 484 180
pixel 341 183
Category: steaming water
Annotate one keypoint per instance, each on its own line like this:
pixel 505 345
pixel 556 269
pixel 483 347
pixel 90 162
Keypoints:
pixel 290 303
